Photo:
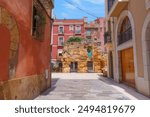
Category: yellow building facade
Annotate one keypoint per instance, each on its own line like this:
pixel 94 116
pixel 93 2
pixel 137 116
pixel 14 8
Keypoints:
pixel 128 28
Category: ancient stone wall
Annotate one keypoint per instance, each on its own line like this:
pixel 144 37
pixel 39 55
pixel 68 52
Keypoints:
pixel 16 89
pixel 77 52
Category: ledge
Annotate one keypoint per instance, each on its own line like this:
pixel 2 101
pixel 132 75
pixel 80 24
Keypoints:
pixel 117 7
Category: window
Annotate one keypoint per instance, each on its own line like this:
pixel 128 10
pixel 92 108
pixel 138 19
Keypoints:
pixel 60 41
pixel 125 33
pixel 78 29
pixel 38 21
pixel 98 43
pixel 95 39
pixel 61 29
pixel 71 27
pixel 88 33
pixel 60 52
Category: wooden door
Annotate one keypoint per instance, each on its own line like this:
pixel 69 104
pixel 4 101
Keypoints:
pixel 128 73
pixel 90 65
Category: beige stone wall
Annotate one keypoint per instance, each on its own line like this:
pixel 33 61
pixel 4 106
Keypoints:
pixel 78 53
pixel 139 13
pixel 82 66
pixel 24 88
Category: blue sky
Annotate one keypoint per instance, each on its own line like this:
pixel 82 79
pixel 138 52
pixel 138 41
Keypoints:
pixel 65 10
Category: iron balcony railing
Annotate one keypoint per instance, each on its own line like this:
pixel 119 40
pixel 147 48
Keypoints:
pixel 78 32
pixel 125 36
pixel 110 4
pixel 61 32
pixel 107 38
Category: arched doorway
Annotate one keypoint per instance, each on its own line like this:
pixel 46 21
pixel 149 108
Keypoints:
pixel 9 37
pixel 126 55
pixel 126 49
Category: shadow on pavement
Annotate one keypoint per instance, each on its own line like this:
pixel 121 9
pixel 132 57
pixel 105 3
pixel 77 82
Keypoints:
pixel 123 88
pixel 53 86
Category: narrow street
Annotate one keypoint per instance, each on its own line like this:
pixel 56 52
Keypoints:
pixel 86 86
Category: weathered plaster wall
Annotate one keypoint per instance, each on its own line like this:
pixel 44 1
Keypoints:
pixel 33 55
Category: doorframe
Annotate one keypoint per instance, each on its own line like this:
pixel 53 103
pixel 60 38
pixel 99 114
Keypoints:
pixel 92 65
pixel 74 70
pixel 126 45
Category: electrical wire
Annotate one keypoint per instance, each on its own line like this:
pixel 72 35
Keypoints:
pixel 83 10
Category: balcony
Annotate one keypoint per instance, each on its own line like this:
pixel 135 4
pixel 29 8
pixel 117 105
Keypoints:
pixel 125 36
pixel 107 38
pixel 78 32
pixel 88 34
pixel 60 32
pixel 61 44
pixel 117 7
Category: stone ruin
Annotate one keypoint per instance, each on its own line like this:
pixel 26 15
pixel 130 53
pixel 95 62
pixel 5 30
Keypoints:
pixel 76 52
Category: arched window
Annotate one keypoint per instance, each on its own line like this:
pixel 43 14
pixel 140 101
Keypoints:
pixel 125 33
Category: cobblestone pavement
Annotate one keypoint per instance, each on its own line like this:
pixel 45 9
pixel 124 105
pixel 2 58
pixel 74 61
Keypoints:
pixel 76 86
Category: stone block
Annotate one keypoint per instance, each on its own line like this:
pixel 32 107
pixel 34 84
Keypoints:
pixel 24 88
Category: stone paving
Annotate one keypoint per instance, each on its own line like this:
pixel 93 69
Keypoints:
pixel 76 86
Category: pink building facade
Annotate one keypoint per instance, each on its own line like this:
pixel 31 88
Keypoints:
pixel 95 32
pixel 63 29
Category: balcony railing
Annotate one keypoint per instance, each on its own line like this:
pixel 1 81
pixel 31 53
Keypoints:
pixel 61 32
pixel 110 4
pixel 107 38
pixel 88 33
pixel 125 36
pixel 60 43
pixel 78 32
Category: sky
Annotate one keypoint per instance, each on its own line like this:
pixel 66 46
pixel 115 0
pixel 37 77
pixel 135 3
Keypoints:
pixel 65 10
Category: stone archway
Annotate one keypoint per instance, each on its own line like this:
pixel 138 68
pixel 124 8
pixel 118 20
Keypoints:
pixel 8 23
pixel 146 50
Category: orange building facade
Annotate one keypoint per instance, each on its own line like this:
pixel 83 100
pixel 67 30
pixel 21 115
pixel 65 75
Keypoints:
pixel 24 48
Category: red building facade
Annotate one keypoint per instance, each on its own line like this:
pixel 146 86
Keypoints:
pixel 63 29
pixel 24 57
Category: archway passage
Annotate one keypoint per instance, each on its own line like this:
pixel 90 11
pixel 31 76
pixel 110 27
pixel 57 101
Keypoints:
pixel 4 52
